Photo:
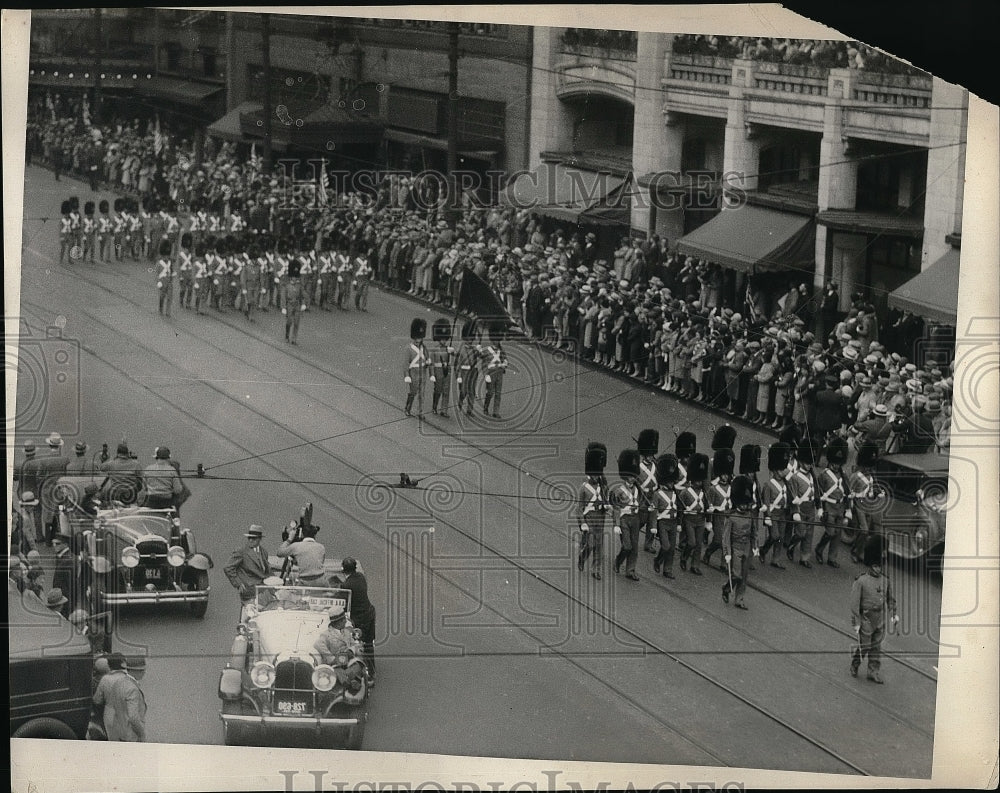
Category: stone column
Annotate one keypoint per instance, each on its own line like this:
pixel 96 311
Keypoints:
pixel 945 168
pixel 741 158
pixel 652 149
pixel 551 122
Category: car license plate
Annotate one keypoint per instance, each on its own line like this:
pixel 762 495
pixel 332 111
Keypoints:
pixel 292 706
pixel 153 573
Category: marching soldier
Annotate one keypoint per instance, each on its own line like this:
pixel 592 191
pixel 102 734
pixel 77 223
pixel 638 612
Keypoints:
pixel 65 232
pixel 494 366
pixel 416 362
pixel 325 277
pixel 865 505
pixel 307 274
pixel 774 503
pixel 250 282
pixel 739 540
pixel 89 232
pixel 718 502
pixel 121 239
pixel 267 265
pixel 75 223
pixel 105 228
pixel 624 497
pixel 362 278
pixel 185 271
pixel 441 365
pixel 293 307
pixel 135 231
pixel 592 508
pixel 467 365
pixel 802 504
pixel 749 467
pixel 219 273
pixel 648 443
pixel 871 598
pixel 165 277
pixel 834 496
pixel 203 260
pixel 691 503
pixel 665 508
pixel 345 275
pixel 235 270
pixel 684 448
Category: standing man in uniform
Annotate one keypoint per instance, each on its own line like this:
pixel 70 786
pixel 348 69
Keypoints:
pixel 440 355
pixel 362 278
pixel 648 443
pixel 802 504
pixel 718 502
pixel 248 566
pixel 494 366
pixel 624 497
pixel 65 232
pixel 293 302
pixel 871 598
pixel 467 364
pixel 739 540
pixel 416 362
pixel 865 503
pixel 834 497
pixel 362 610
pixel 691 503
pixel 185 271
pixel 250 282
pixel 665 508
pixel 165 277
pixel 592 508
pixel 774 503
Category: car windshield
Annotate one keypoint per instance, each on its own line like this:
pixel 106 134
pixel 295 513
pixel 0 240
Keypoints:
pixel 140 523
pixel 301 598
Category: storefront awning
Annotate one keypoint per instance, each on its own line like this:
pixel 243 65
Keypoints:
pixel 441 144
pixel 185 92
pixel 933 294
pixel 228 127
pixel 570 194
pixel 754 239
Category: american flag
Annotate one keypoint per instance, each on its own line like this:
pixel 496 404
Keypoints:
pixel 86 112
pixel 752 309
pixel 321 197
pixel 157 138
pixel 51 106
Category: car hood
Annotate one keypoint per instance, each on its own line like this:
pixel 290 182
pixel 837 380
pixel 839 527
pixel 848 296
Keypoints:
pixel 289 632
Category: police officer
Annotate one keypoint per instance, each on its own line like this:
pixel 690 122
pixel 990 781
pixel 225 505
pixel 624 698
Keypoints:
pixel 624 497
pixel 440 355
pixel 416 362
pixel 665 510
pixel 494 366
pixel 834 496
pixel 871 598
pixel 739 540
pixel 467 366
pixel 592 508
pixel 691 503
pixel 648 443
pixel 293 303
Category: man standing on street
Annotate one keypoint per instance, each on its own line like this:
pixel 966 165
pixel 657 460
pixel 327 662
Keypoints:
pixel 494 366
pixel 592 506
pixel 871 597
pixel 248 566
pixel 161 482
pixel 48 471
pixel 416 361
pixel 440 356
pixel 362 610
pixel 624 497
pixel 123 702
pixel 649 444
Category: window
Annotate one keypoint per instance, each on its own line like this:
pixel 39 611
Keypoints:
pixel 892 182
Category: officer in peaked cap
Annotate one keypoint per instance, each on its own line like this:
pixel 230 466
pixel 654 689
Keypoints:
pixel 416 362
pixel 872 601
pixel 648 444
pixel 440 355
pixel 665 509
pixel 774 503
pixel 592 508
pixel 625 503
pixel 718 501
pixel 739 540
pixel 691 503
pixel 834 496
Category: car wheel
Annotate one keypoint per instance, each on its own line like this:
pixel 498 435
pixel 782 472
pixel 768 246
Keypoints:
pixel 233 734
pixel 44 728
pixel 356 735
pixel 199 584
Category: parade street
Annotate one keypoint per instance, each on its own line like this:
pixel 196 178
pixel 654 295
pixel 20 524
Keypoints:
pixel 488 641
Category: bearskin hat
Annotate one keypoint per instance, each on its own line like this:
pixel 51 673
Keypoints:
pixel 805 453
pixel 468 330
pixel 836 452
pixel 186 239
pixel 119 204
pixel 741 491
pixel 165 247
pixel 199 249
pixel 667 470
pixel 498 331
pixel 88 208
pixel 875 550
pixel 418 328
pixel 722 462
pixel 151 205
pixel 65 208
pixel 749 458
pixel 778 456
pixel 686 445
pixel 74 203
pixel 221 247
pixel 648 443
pixel 209 242
pixel 724 437
pixel 595 458
pixel 628 463
pixel 697 468
pixel 867 454
pixel 790 436
pixel 441 329
pixel 103 206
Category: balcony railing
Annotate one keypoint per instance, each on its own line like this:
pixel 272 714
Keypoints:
pixel 791 79
pixel 599 43
pixel 898 90
pixel 702 69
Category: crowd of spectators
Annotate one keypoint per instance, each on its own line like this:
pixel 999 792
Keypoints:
pixel 797 52
pixel 776 359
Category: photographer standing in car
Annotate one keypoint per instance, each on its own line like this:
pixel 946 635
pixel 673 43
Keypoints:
pixel 300 544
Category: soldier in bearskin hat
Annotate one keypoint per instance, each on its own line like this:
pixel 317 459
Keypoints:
pixel 749 467
pixel 494 366
pixel 362 277
pixel 120 228
pixel 872 601
pixel 739 540
pixel 200 264
pixel 803 504
pixel 75 222
pixel 467 365
pixel 234 270
pixel 293 307
pixel 691 502
pixel 624 496
pixel 718 501
pixel 416 362
pixel 65 232
pixel 136 238
pixel 105 228
pixel 648 443
pixel 185 271
pixel 724 437
pixel 165 277
pixel 592 508
pixel 774 503
pixel 834 494
pixel 665 511
pixel 865 506
pixel 88 232
pixel 685 446
pixel 250 280
pixel 441 354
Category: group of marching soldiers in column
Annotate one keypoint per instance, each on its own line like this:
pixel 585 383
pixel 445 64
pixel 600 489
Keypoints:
pixel 217 261
pixel 690 507
pixel 441 362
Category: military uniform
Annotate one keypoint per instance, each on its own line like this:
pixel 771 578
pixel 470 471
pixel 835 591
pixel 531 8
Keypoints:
pixel 834 497
pixel 440 355
pixel 624 497
pixel 293 299
pixel 718 501
pixel 691 502
pixel 324 277
pixel 165 278
pixel 592 508
pixel 494 366
pixel 220 275
pixel 665 512
pixel 250 283
pixel 416 361
pixel 649 443
pixel 774 503
pixel 467 366
pixel 185 271
pixel 739 540
pixel 802 506
pixel 362 279
pixel 865 508
pixel 871 598
pixel 65 233
pixel 88 232
pixel 105 226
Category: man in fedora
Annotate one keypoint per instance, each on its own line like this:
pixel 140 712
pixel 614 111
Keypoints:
pixel 56 601
pixel 122 703
pixel 248 566
pixel 80 465
pixel 47 473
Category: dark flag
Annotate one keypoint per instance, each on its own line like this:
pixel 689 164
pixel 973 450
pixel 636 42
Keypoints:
pixel 477 299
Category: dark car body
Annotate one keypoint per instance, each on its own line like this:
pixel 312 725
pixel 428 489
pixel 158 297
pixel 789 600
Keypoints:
pixel 915 489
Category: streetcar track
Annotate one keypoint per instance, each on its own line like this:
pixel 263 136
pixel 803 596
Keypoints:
pixel 784 723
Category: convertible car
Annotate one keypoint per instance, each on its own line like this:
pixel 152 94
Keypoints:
pixel 277 689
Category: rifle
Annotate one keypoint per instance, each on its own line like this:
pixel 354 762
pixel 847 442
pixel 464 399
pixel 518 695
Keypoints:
pixel 304 522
